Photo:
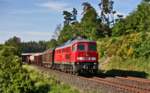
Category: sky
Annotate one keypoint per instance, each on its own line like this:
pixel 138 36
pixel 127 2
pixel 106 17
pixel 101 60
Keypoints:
pixel 34 20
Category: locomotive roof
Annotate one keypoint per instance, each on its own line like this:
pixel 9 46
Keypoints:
pixel 26 54
pixel 72 41
pixel 50 49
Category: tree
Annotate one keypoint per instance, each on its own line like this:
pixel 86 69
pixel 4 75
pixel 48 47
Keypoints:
pixel 67 17
pixel 57 32
pixel 33 47
pixel 14 42
pixel 74 15
pixel 65 34
pixel 137 21
pixel 70 17
pixel 86 7
pixel 107 12
pixel 52 43
pixel 92 24
pixel 89 20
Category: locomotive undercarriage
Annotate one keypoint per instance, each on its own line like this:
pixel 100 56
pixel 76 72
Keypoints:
pixel 87 67
pixel 77 68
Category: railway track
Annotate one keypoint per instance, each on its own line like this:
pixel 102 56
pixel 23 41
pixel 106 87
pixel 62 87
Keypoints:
pixel 133 86
pixel 132 82
pixel 101 85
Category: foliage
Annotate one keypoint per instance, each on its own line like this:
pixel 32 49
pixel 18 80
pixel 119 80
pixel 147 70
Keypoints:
pixel 67 17
pixel 46 83
pixel 90 25
pixel 65 34
pixel 14 42
pixel 52 43
pixel 13 78
pixel 128 53
pixel 137 21
pixel 70 17
pixel 132 45
pixel 107 12
pixel 128 48
pixel 32 46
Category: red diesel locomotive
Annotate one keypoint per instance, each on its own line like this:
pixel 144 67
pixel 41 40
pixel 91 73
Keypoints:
pixel 75 56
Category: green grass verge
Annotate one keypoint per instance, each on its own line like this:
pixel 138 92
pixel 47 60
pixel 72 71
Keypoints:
pixel 45 83
pixel 139 67
pixel 130 54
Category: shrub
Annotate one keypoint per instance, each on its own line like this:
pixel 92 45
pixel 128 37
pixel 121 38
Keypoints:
pixel 127 46
pixel 13 78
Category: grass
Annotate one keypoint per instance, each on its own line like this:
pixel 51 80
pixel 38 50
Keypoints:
pixel 45 83
pixel 130 54
pixel 132 66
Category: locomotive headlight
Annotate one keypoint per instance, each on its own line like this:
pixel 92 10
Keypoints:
pixel 86 58
pixel 80 58
pixel 93 58
pixel 95 63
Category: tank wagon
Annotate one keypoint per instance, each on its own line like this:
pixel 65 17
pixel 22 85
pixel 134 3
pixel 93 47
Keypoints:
pixel 75 56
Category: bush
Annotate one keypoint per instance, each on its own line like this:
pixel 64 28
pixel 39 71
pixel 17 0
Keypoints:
pixel 127 46
pixel 46 83
pixel 13 78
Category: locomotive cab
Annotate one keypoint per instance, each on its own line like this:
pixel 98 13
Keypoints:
pixel 86 56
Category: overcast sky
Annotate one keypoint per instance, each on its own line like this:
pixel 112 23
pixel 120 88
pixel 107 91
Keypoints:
pixel 37 19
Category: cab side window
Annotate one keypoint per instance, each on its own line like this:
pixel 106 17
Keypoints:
pixel 73 48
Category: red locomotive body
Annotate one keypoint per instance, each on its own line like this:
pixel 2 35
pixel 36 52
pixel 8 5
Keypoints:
pixel 84 51
pixel 63 54
pixel 77 56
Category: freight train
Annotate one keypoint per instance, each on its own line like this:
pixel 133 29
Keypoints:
pixel 75 56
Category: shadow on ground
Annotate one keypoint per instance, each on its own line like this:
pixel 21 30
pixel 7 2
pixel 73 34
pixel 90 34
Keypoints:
pixel 122 73
pixel 44 88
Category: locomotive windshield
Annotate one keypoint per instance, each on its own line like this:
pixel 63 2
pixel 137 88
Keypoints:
pixel 92 47
pixel 84 47
pixel 81 47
